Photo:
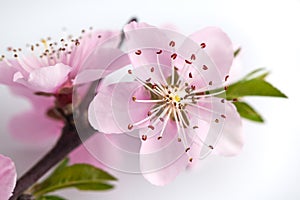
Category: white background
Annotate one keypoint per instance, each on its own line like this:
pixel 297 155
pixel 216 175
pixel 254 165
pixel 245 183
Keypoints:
pixel 268 31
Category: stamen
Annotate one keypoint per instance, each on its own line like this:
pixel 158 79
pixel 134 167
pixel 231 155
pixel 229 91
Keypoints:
pixel 152 114
pixel 147 86
pixel 179 127
pixel 165 123
pixel 160 70
pixel 147 101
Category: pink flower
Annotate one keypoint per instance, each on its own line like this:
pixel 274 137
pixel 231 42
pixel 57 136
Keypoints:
pixel 46 76
pixel 8 177
pixel 172 97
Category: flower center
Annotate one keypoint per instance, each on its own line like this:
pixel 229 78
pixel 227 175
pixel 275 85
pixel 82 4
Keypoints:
pixel 177 100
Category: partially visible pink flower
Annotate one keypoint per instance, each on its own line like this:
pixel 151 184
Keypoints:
pixel 174 100
pixel 46 78
pixel 50 68
pixel 8 177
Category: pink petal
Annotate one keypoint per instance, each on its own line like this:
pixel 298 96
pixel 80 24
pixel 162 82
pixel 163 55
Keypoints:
pixel 162 160
pixel 113 109
pixel 83 155
pixel 46 79
pixel 109 151
pixel 144 41
pixel 232 139
pixel 225 132
pixel 100 63
pixel 41 103
pixel 7 73
pixel 35 127
pixel 218 47
pixel 88 44
pixel 8 177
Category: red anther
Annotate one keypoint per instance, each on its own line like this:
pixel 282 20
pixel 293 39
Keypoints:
pixel 159 52
pixel 174 56
pixel 130 126
pixel 138 52
pixel 193 57
pixel 235 99
pixel 226 77
pixel 203 45
pixel 188 62
pixel 204 67
pixel 190 75
pixel 144 137
pixel 172 44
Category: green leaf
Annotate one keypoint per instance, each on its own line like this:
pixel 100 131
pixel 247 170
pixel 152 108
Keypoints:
pixel 61 166
pixel 253 87
pixel 50 197
pixel 237 52
pixel 247 112
pixel 255 74
pixel 80 176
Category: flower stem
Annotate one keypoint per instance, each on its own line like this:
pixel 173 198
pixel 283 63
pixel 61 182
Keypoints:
pixel 68 141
